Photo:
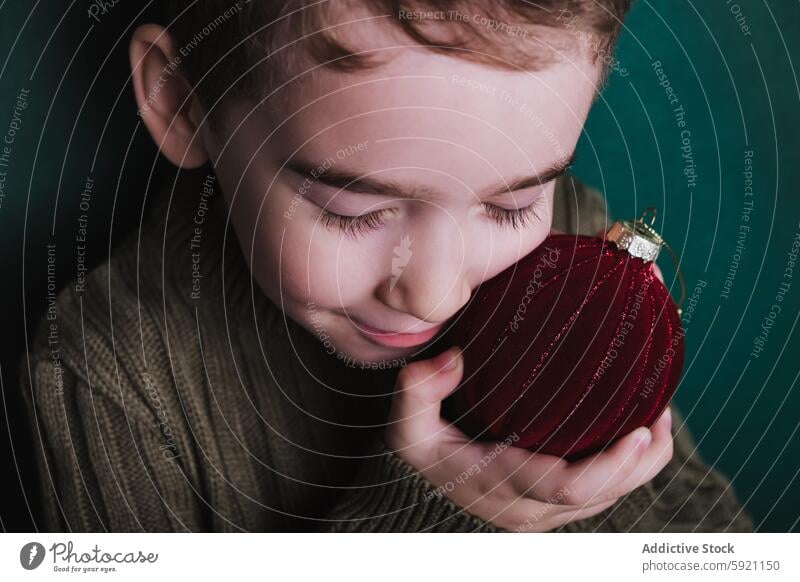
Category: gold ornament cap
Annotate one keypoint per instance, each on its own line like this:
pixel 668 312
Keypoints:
pixel 637 237
pixel 641 240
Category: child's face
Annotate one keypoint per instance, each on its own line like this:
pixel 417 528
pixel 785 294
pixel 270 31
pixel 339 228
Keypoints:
pixel 435 142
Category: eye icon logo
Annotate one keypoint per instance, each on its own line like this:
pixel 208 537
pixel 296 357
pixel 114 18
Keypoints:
pixel 31 555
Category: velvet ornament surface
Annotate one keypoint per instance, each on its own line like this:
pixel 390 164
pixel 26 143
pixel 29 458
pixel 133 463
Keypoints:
pixel 572 347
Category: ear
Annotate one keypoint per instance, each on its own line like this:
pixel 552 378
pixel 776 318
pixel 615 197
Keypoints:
pixel 166 103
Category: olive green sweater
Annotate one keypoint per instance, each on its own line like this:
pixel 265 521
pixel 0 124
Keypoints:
pixel 169 394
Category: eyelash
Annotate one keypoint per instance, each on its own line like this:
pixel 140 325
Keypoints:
pixel 354 226
pixel 517 218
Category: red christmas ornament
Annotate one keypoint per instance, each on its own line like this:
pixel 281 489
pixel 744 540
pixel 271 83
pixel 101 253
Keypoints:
pixel 572 347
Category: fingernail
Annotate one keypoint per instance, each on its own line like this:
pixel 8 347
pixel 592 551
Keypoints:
pixel 452 362
pixel 643 439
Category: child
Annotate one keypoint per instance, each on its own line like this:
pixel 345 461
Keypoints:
pixel 246 361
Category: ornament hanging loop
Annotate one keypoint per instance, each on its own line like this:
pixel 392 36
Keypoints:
pixel 641 240
pixel 649 210
pixel 681 279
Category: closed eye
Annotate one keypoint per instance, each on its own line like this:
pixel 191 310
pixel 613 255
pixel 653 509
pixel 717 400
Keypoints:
pixel 355 226
pixel 516 218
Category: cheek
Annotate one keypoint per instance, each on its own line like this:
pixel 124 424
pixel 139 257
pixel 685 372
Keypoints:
pixel 298 259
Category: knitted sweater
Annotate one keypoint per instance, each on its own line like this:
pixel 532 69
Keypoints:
pixel 169 394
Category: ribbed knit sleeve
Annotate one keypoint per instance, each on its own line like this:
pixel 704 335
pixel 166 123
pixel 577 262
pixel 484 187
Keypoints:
pixel 101 469
pixel 107 460
pixel 389 495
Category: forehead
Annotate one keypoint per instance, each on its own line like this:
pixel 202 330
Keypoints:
pixel 426 109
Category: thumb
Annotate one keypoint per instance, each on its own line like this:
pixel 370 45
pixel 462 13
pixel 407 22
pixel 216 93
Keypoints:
pixel 419 391
pixel 658 272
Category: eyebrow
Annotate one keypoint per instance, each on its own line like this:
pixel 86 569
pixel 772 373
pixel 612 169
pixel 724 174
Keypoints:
pixel 344 179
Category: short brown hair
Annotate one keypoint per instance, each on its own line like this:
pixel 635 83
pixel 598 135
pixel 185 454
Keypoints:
pixel 242 50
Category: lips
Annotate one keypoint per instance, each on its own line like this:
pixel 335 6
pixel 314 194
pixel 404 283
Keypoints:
pixel 395 339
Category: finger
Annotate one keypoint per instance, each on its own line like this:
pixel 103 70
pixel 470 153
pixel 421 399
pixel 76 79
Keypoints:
pixel 571 515
pixel 542 517
pixel 578 482
pixel 419 390
pixel 655 458
pixel 549 478
pixel 658 272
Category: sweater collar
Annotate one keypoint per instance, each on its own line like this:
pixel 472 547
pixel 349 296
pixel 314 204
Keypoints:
pixel 202 258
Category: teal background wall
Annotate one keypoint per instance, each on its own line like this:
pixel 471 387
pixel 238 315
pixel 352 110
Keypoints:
pixel 80 122
pixel 739 92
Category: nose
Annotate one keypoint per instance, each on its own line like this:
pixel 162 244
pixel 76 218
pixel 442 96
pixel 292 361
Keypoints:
pixel 427 275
